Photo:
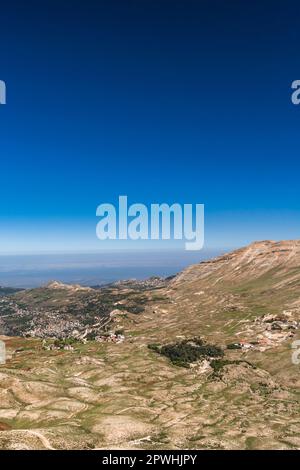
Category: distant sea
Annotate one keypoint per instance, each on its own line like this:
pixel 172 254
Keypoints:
pixel 94 268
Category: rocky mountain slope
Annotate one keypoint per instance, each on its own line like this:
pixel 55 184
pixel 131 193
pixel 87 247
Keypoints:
pixel 205 361
pixel 246 264
pixel 238 291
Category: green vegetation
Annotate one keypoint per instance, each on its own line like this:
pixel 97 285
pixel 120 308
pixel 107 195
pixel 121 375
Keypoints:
pixel 154 346
pixel 8 291
pixel 234 346
pixel 219 364
pixel 91 336
pixel 61 343
pixel 187 351
pixel 135 309
pixel 119 332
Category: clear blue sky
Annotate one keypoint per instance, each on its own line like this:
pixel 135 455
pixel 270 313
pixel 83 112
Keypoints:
pixel 164 101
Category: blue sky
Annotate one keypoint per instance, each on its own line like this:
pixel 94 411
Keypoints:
pixel 163 101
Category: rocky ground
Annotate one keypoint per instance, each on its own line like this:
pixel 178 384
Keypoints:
pixel 107 394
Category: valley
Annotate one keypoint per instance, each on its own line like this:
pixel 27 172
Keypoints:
pixel 201 360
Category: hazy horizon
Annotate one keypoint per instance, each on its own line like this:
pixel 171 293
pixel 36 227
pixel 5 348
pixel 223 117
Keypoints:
pixel 33 270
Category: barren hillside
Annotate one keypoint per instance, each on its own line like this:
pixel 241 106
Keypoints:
pixel 201 361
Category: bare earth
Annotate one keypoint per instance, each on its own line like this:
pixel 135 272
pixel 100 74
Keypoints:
pixel 101 395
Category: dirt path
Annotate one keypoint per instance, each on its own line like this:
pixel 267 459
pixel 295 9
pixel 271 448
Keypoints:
pixel 37 434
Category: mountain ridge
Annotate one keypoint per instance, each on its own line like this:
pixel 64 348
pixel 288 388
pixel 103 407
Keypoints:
pixel 254 259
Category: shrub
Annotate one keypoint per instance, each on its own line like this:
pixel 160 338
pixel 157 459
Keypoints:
pixel 154 347
pixel 218 364
pixel 234 346
pixel 119 332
